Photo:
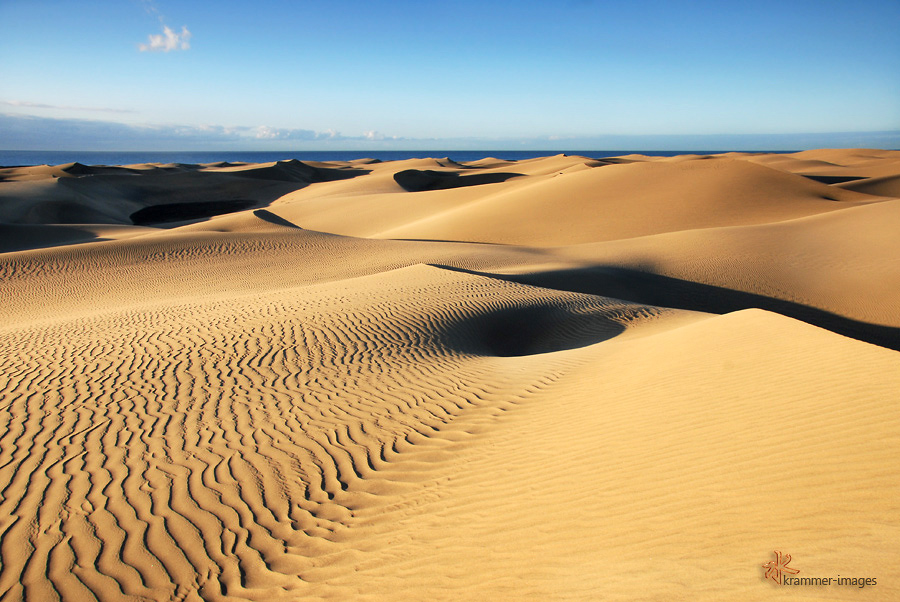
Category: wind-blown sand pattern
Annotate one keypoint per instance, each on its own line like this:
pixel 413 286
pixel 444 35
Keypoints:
pixel 561 378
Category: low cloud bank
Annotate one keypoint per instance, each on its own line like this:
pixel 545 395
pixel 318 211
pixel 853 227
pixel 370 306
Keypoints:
pixel 27 132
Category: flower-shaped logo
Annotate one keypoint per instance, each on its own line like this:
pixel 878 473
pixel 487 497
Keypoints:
pixel 775 569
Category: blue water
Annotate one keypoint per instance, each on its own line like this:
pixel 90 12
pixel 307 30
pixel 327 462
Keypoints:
pixel 11 158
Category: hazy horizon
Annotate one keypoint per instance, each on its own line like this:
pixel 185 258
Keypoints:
pixel 32 133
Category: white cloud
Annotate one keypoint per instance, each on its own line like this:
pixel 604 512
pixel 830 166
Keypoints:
pixel 167 41
pixel 264 132
pixel 376 136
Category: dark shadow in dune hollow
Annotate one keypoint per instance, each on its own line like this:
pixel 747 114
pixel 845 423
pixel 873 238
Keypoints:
pixel 175 194
pixel 331 174
pixel 664 291
pixel 180 212
pixel 833 179
pixel 25 237
pixel 529 330
pixel 418 180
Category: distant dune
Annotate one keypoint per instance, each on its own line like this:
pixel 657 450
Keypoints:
pixel 562 378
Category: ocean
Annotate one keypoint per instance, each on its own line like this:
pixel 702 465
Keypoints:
pixel 9 158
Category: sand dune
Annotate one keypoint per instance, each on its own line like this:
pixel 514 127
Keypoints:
pixel 888 186
pixel 562 378
pixel 624 201
pixel 578 201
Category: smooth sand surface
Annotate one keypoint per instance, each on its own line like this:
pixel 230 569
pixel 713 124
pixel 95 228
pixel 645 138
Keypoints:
pixel 564 378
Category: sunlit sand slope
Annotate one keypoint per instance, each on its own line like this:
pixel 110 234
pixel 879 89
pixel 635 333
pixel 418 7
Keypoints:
pixel 562 378
pixel 669 467
pixel 225 447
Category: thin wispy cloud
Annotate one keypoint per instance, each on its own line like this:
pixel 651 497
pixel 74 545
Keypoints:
pixel 152 9
pixel 375 135
pixel 40 105
pixel 167 41
pixel 33 132
pixel 264 132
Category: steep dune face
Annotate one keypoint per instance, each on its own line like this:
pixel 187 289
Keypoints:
pixel 839 262
pixel 888 186
pixel 624 201
pixel 644 376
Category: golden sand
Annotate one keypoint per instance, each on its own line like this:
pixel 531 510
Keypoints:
pixel 553 379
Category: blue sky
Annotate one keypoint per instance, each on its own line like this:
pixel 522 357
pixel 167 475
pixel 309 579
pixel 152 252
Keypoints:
pixel 144 74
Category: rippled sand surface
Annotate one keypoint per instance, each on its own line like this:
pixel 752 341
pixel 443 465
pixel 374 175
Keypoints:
pixel 558 378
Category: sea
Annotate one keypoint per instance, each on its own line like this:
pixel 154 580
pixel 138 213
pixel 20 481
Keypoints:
pixel 11 158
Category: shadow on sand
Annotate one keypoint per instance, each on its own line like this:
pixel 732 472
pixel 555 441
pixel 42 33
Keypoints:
pixel 529 329
pixel 664 291
pixel 418 180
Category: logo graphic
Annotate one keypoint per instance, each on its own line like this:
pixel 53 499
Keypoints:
pixel 775 569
